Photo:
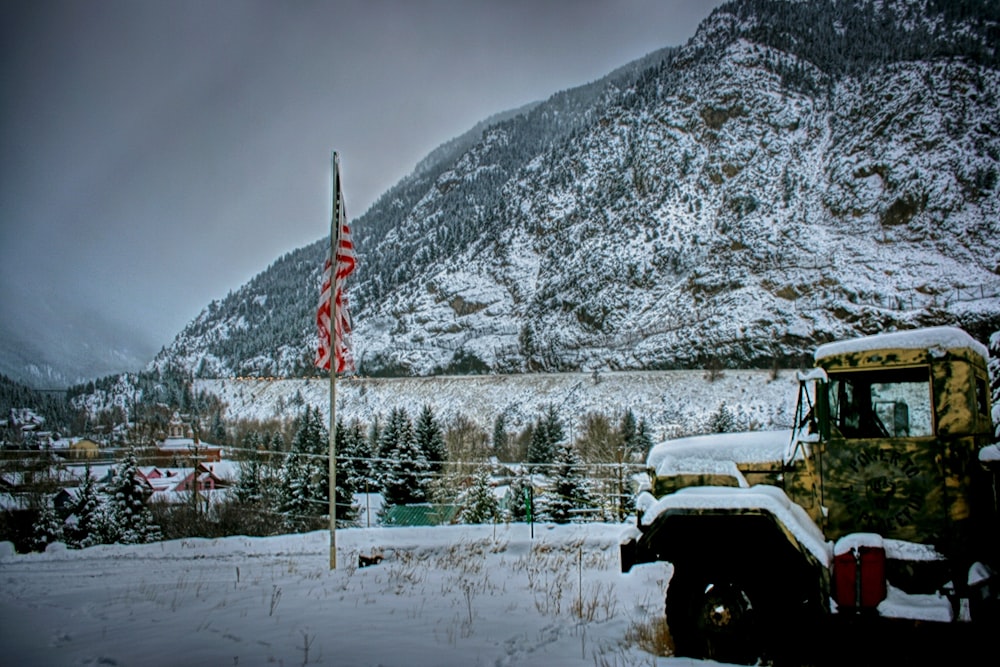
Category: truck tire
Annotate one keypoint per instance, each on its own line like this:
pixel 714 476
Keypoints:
pixel 712 616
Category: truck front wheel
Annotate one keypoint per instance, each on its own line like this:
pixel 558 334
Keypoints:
pixel 712 616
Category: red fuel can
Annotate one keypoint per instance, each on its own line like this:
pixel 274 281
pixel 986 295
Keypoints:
pixel 859 577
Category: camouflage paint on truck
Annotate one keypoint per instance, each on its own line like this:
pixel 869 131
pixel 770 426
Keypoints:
pixel 889 466
pixel 902 418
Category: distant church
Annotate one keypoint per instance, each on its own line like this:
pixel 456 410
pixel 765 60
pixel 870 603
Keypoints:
pixel 182 448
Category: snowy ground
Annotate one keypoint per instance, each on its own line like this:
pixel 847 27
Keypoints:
pixel 462 596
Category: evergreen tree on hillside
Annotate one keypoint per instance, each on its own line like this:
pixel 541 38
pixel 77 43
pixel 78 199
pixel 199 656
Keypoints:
pixel 257 479
pixel 87 523
pixel 518 498
pixel 500 439
pixel 247 488
pixel 53 408
pixel 397 428
pixel 528 347
pixel 545 437
pixel 628 431
pixel 217 431
pixel 569 486
pixel 347 472
pixel 48 526
pixel 643 441
pixel 375 446
pixel 131 522
pixel 354 457
pixel 305 475
pixel 405 469
pixel 722 420
pixel 430 440
pixel 479 505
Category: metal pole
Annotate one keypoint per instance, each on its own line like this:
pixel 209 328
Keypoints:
pixel 335 225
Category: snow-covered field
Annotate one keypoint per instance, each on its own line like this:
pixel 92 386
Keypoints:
pixel 462 596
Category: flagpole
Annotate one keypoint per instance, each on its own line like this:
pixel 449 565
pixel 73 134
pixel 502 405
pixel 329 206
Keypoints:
pixel 336 222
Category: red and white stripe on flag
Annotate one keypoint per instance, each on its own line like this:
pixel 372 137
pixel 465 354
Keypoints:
pixel 340 349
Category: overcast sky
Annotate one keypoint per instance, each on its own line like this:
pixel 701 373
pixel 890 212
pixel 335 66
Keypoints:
pixel 158 154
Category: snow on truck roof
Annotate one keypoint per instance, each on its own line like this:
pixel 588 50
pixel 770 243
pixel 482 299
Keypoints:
pixel 944 338
pixel 728 448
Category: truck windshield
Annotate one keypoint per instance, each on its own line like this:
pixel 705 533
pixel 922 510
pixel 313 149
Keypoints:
pixel 892 403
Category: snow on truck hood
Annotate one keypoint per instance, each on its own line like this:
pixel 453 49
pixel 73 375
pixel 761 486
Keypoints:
pixel 767 498
pixel 722 449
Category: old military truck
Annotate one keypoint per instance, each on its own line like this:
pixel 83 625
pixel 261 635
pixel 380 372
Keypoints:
pixel 880 503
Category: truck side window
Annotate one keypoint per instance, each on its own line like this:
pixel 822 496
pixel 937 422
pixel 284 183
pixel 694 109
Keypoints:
pixel 881 404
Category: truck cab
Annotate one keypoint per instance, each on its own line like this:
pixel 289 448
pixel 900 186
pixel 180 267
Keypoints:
pixel 879 502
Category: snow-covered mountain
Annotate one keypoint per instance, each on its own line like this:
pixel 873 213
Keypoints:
pixel 797 172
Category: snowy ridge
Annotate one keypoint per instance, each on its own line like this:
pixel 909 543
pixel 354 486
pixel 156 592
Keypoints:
pixel 673 403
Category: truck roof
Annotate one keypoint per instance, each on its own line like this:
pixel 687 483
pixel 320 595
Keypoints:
pixel 732 448
pixel 943 338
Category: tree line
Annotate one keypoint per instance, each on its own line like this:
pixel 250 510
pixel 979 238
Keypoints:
pixel 541 473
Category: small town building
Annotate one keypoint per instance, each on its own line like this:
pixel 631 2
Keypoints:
pixel 183 448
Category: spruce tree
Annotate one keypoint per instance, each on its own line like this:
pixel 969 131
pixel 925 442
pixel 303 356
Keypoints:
pixel 569 486
pixel 254 493
pixel 218 429
pixel 375 446
pixel 88 517
pixel 479 505
pixel 404 479
pixel 347 473
pixel 131 522
pixel 721 420
pixel 628 430
pixel 248 489
pixel 48 526
pixel 547 434
pixel 643 441
pixel 396 428
pixel 305 476
pixel 430 439
pixel 354 457
pixel 500 439
pixel 518 498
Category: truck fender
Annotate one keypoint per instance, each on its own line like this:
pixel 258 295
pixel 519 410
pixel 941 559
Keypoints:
pixel 756 530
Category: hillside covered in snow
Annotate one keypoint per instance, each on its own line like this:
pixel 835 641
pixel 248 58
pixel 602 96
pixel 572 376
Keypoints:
pixel 673 403
pixel 797 172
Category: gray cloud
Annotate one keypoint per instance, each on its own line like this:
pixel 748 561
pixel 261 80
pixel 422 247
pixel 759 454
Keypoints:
pixel 156 155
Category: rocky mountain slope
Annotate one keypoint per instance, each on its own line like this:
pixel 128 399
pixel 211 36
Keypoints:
pixel 798 171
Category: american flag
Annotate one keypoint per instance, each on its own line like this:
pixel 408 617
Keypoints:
pixel 346 261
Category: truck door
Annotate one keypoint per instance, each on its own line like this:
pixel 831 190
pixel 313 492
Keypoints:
pixel 879 468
